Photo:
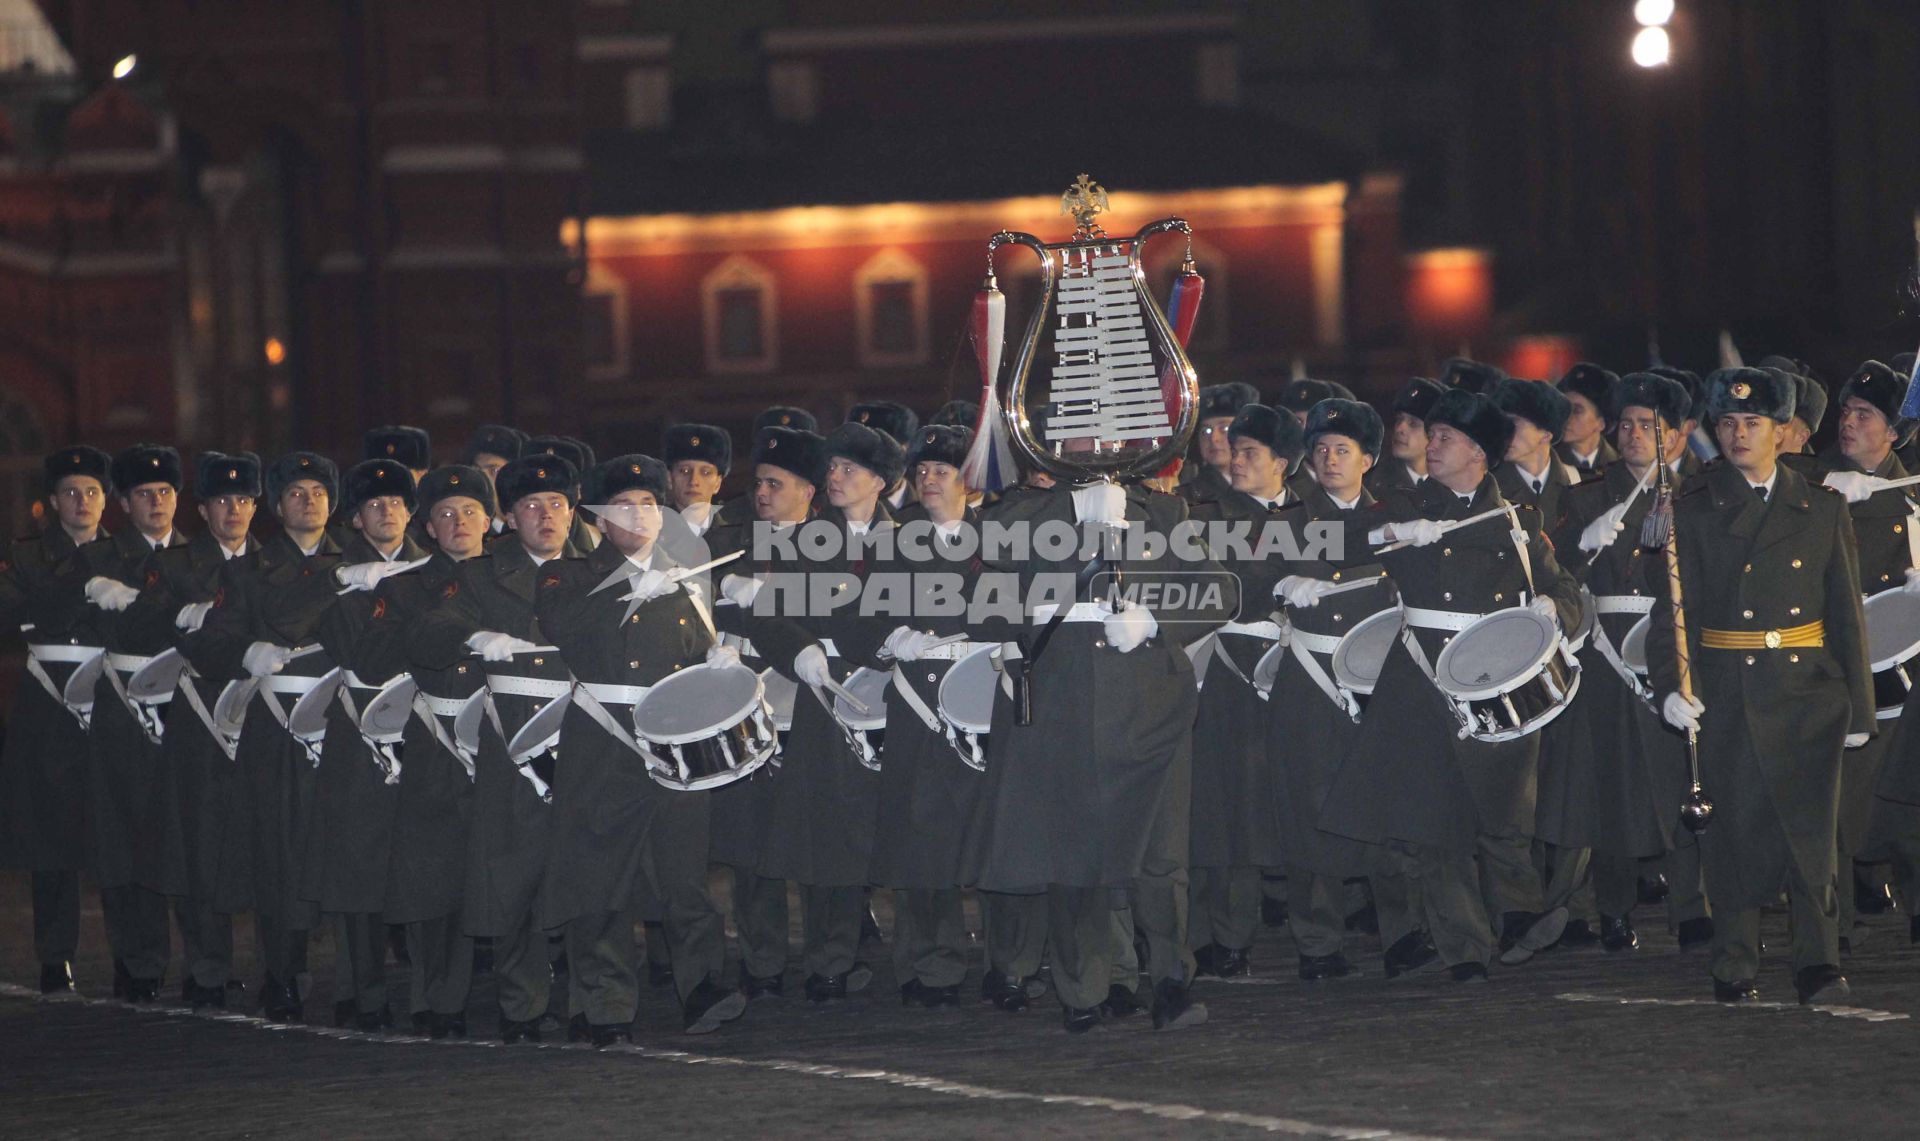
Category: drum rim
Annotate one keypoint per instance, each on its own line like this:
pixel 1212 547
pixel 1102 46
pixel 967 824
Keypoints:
pixel 745 710
pixel 1542 720
pixel 717 780
pixel 940 696
pixel 1643 627
pixel 773 711
pixel 876 718
pixel 1341 674
pixel 1902 657
pixel 161 661
pixel 1517 679
pixel 78 693
pixel 378 699
pixel 238 686
pixel 564 702
pixel 306 704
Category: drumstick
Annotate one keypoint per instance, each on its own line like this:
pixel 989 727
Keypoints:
pixel 678 573
pixel 844 694
pixel 1356 584
pixel 935 644
pixel 1445 526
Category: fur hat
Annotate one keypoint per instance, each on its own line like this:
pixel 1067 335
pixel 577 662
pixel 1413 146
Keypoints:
pixel 1809 400
pixel 1594 383
pixel 215 474
pixel 965 413
pixel 941 443
pixel 1417 398
pixel 576 453
pixel 1760 391
pixel 697 442
pixel 455 480
pixel 1879 386
pixel 1689 380
pixel 1472 375
pixel 1226 399
pixel 796 450
pixel 495 440
pixel 1535 400
pixel 784 416
pixel 1665 396
pixel 536 474
pixel 1278 429
pixel 1350 418
pixel 896 420
pixel 296 466
pixel 372 479
pixel 78 460
pixel 871 448
pixel 146 463
pixel 1300 395
pixel 1477 416
pixel 625 473
pixel 410 446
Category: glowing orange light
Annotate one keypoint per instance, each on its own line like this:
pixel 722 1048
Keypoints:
pixel 276 350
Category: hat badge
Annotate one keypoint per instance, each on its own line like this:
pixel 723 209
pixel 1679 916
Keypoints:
pixel 693 441
pixel 541 472
pixel 389 449
pixel 634 468
pixel 453 481
pixel 863 416
pixel 784 419
pixel 1740 390
pixel 233 473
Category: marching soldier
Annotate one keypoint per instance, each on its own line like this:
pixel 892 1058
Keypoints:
pixel 42 787
pixel 900 423
pixel 578 454
pixel 1777 651
pixel 698 458
pixel 1406 438
pixel 1207 481
pixel 1459 810
pixel 1583 444
pixel 265 610
pixel 202 863
pixel 1534 476
pixel 493 447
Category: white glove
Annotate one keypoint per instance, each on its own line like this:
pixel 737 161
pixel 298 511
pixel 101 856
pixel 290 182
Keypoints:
pixel 1855 485
pixel 1544 607
pixel 1855 740
pixel 108 594
pixel 1299 591
pixel 493 646
pixel 192 615
pixel 1683 713
pixel 1913 580
pixel 906 644
pixel 810 667
pixel 365 576
pixel 1417 532
pixel 740 590
pixel 649 586
pixel 1126 629
pixel 264 659
pixel 1599 533
pixel 718 655
pixel 1100 503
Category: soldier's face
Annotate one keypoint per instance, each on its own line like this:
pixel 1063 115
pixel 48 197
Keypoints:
pixel 1865 435
pixel 1254 468
pixel 1635 436
pixel 779 496
pixel 631 520
pixel 939 487
pixel 150 508
pixel 692 481
pixel 851 485
pixel 1340 465
pixel 542 521
pixel 382 519
pixel 228 517
pixel 1794 435
pixel 1584 423
pixel 458 526
pixel 1453 458
pixel 1409 437
pixel 489 463
pixel 1530 440
pixel 1749 441
pixel 1215 449
pixel 304 506
pixel 79 500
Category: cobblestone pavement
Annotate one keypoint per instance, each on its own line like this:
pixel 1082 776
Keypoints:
pixel 1575 1044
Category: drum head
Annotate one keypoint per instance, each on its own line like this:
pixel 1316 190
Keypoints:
pixel 696 703
pixel 1633 647
pixel 308 717
pixel 386 713
pixel 543 726
pixel 78 692
pixel 158 677
pixel 1893 628
pixel 230 711
pixel 1496 653
pixel 1361 654
pixel 1268 667
pixel 870 687
pixel 966 693
pixel 466 727
pixel 780 692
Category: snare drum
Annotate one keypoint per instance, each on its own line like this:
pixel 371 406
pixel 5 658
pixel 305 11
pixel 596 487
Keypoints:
pixel 1362 653
pixel 1893 638
pixel 77 693
pixel 155 682
pixel 230 708
pixel 707 725
pixel 531 694
pixel 1577 637
pixel 1633 650
pixel 966 705
pixel 866 732
pixel 780 692
pixel 1508 673
pixel 385 716
pixel 1267 669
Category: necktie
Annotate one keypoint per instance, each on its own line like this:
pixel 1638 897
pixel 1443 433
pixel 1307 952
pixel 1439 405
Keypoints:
pixel 1538 484
pixel 1761 492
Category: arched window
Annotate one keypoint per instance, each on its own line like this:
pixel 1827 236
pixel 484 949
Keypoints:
pixel 738 299
pixel 890 310
pixel 603 305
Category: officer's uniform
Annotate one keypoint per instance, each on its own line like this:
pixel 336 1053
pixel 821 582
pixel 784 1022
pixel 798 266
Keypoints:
pixel 1585 466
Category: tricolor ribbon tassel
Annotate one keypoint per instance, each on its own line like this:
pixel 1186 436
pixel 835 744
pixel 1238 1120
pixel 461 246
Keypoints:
pixel 989 465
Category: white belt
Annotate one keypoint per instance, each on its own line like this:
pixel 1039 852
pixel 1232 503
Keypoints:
pixel 1455 620
pixel 952 651
pixel 1268 630
pixel 1318 643
pixel 282 683
pixel 832 650
pixel 514 685
pixel 1623 603
pixel 128 663
pixel 444 706
pixel 1078 612
pixel 353 679
pixel 606 693
pixel 43 652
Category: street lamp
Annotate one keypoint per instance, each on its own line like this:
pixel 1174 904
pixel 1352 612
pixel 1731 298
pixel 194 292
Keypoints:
pixel 124 66
pixel 1652 47
pixel 1652 13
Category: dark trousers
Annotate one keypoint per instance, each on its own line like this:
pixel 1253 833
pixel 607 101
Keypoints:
pixel 1223 907
pixel 206 941
pixel 1316 912
pixel 760 922
pixel 929 936
pixel 360 960
pixel 525 976
pixel 601 956
pixel 1452 902
pixel 56 915
pixel 136 922
pixel 831 919
pixel 1016 932
pixel 442 969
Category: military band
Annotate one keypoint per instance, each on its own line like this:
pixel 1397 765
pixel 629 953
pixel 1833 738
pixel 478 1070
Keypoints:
pixel 419 702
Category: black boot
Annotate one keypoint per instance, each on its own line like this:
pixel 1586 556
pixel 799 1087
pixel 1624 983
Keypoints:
pixel 1174 1008
pixel 1009 994
pixel 1617 935
pixel 56 978
pixel 711 1005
